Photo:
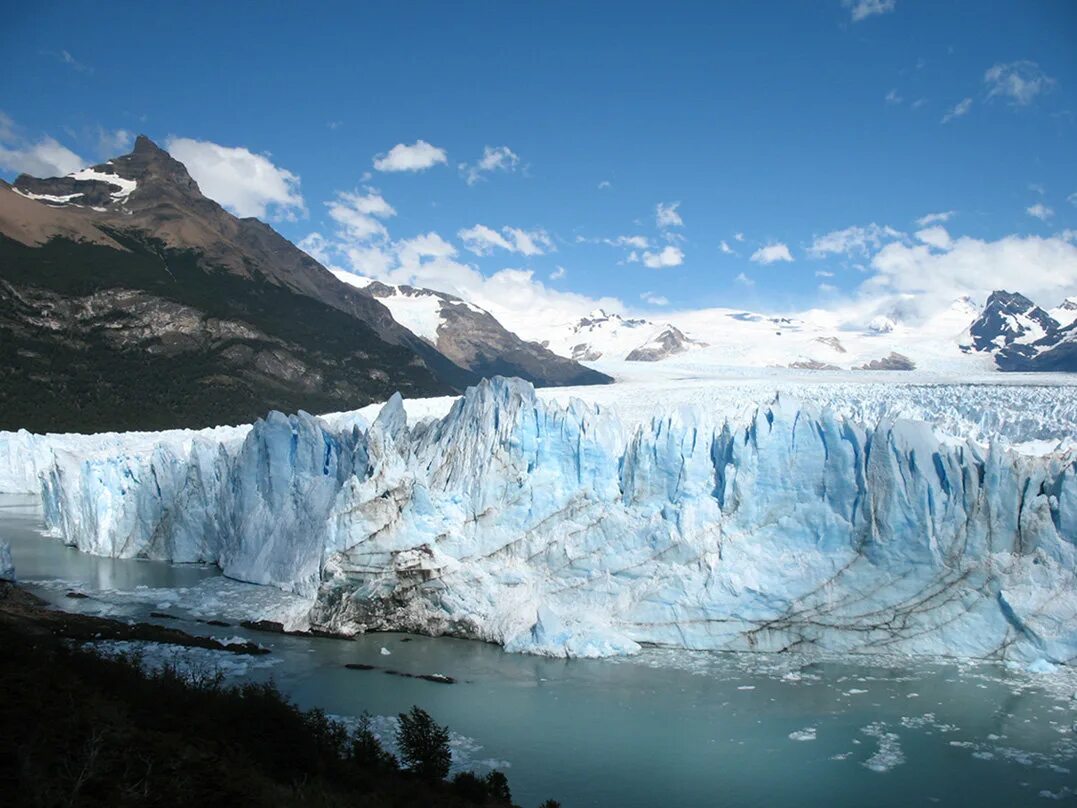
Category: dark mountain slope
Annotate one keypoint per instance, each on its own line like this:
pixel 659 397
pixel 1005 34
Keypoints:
pixel 130 301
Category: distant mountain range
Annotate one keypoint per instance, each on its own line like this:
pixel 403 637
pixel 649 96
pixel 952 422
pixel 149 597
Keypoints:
pixel 605 335
pixel 128 300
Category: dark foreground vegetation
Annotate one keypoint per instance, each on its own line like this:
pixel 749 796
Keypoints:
pixel 80 729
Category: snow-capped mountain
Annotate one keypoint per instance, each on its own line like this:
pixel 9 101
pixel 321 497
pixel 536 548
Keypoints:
pixel 604 335
pixel 565 530
pixel 473 338
pixel 1022 336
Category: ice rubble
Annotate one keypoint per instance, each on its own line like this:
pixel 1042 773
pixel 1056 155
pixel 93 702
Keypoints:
pixel 563 530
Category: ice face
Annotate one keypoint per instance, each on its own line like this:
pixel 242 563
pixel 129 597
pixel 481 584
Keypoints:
pixel 564 530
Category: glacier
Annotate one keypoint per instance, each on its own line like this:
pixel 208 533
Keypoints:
pixel 563 529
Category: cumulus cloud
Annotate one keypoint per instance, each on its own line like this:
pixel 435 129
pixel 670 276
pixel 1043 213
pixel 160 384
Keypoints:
pixel 892 97
pixel 494 158
pixel 245 183
pixel 862 9
pixel 935 236
pixel 558 273
pixel 1020 82
pixel 744 280
pixel 934 275
pixel 605 185
pixel 417 157
pixel 772 253
pixel 483 240
pixel 854 240
pixel 668 256
pixel 654 299
pixel 666 215
pixel 1040 211
pixel 359 214
pixel 959 109
pixel 935 218
pixel 725 248
pixel 44 157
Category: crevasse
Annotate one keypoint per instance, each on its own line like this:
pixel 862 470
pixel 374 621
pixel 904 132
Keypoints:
pixel 560 530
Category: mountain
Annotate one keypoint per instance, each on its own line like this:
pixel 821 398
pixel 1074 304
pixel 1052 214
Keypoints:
pixel 1066 311
pixel 128 300
pixel 472 338
pixel 1022 336
pixel 603 335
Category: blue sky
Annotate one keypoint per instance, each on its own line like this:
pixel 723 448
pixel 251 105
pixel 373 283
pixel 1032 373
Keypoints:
pixel 779 122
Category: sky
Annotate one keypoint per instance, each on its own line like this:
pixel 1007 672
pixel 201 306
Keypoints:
pixel 541 159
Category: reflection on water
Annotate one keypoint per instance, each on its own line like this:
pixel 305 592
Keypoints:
pixel 666 728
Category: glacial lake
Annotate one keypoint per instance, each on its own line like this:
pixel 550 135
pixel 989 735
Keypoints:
pixel 664 728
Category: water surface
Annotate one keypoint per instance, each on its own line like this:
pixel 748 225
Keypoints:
pixel 665 728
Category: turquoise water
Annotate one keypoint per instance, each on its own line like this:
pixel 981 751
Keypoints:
pixel 666 728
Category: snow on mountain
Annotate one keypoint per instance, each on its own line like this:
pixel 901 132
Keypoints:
pixel 472 337
pixel 567 530
pixel 609 335
pixel 1019 335
pixel 1066 312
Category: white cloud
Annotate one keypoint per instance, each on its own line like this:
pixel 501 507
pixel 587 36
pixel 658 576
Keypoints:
pixel 935 236
pixel 666 215
pixel 668 256
pixel 935 218
pixel 605 185
pixel 45 158
pixel 738 236
pixel 483 240
pixel 1041 268
pixel 359 214
pixel 827 288
pixel 111 143
pixel 892 97
pixel 1019 81
pixel 854 240
pixel 417 157
pixel 772 253
pixel 1040 211
pixel 245 183
pixel 962 107
pixel 822 273
pixel 499 158
pixel 654 299
pixel 558 273
pixel 744 280
pixel 1072 198
pixel 862 9
pixel 725 248
pixel 636 242
pixel 69 60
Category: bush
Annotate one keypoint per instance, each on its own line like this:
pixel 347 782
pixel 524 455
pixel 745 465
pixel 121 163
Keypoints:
pixel 423 745
pixel 470 787
pixel 497 786
pixel 366 749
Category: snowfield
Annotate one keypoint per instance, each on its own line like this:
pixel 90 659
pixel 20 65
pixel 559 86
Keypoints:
pixel 846 515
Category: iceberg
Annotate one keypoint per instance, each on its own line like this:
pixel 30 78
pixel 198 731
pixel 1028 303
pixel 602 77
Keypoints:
pixel 561 529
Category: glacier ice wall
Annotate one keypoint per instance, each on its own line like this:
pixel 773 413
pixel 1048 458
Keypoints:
pixel 561 530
